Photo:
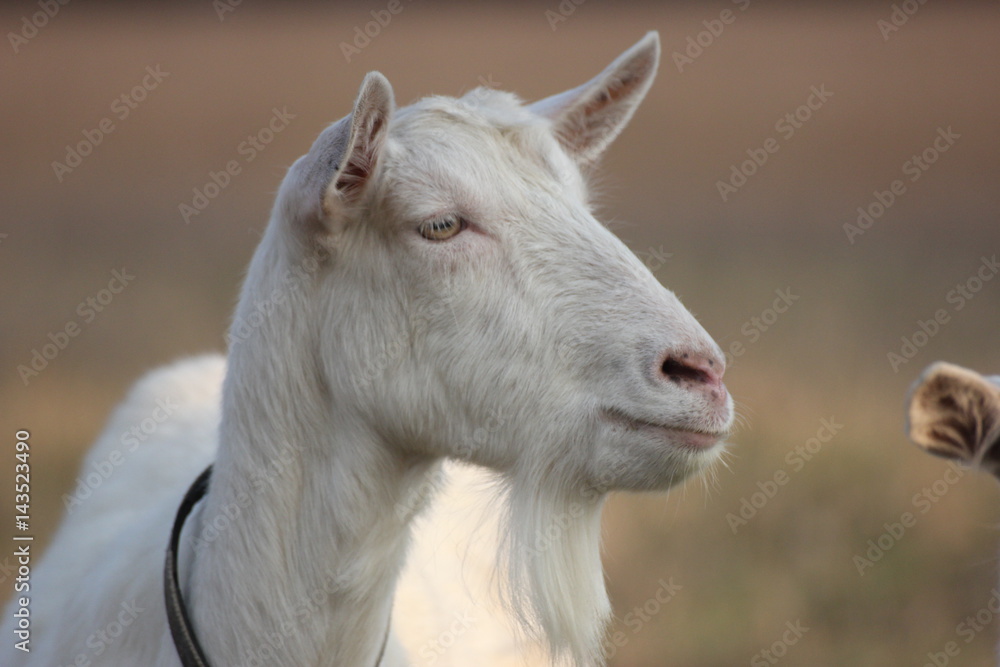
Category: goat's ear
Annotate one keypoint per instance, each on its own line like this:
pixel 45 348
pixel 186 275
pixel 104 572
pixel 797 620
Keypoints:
pixel 368 126
pixel 955 413
pixel 586 119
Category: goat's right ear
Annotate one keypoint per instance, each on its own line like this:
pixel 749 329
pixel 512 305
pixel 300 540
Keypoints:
pixel 588 118
pixel 955 413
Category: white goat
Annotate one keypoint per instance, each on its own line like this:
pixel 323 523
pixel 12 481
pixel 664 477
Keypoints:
pixel 432 285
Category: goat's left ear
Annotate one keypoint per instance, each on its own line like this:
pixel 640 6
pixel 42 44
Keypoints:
pixel 369 125
pixel 586 119
pixel 324 184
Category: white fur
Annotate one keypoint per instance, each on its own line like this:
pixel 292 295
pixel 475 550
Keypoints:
pixel 532 345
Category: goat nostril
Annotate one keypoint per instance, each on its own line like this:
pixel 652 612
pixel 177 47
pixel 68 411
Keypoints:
pixel 678 371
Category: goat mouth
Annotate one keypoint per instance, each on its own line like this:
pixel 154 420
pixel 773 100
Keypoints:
pixel 682 436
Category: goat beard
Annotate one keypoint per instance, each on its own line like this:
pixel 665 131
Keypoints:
pixel 551 556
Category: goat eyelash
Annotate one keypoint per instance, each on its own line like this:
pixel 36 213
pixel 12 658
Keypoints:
pixel 442 229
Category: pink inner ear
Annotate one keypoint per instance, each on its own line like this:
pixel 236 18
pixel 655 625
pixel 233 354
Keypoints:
pixel 587 118
pixel 369 125
pixel 363 157
pixel 617 88
pixel 353 176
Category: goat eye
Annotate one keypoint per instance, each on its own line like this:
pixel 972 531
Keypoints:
pixel 441 229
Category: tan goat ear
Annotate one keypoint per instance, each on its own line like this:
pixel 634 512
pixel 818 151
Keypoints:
pixel 955 413
pixel 588 118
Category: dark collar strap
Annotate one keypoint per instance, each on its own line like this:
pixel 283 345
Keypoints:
pixel 185 639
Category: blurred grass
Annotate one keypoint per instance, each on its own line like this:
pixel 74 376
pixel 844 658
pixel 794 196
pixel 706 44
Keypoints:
pixel 825 357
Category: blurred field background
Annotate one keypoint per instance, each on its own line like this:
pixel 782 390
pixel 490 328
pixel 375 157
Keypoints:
pixel 825 358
